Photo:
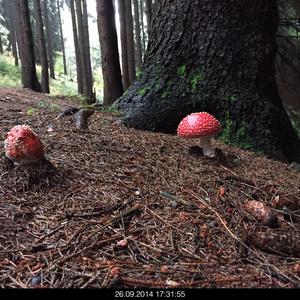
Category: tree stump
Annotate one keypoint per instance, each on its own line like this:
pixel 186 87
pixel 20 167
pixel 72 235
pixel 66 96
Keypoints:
pixel 81 118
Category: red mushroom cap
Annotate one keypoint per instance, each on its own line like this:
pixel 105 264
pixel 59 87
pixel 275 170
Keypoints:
pixel 199 125
pixel 23 144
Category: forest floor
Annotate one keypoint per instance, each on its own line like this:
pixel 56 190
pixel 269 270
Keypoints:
pixel 127 208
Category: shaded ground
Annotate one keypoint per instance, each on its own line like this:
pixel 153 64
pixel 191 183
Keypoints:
pixel 107 218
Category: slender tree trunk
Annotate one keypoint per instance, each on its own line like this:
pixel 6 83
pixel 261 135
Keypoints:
pixel 130 41
pixel 148 12
pixel 142 26
pixel 81 45
pixel 34 34
pixel 87 85
pixel 42 46
pixel 137 26
pixel 215 56
pixel 29 77
pixel 10 8
pixel 62 38
pixel 18 26
pixel 49 38
pixel 86 37
pixel 109 52
pixel 77 49
pixel 123 37
pixel 1 45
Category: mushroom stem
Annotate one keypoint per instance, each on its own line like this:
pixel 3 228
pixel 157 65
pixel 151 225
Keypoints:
pixel 206 145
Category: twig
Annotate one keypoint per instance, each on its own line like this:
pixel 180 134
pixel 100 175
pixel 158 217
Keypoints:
pixel 49 234
pixel 96 243
pixel 160 218
pixel 125 215
pixel 179 200
pixel 20 284
pixel 91 280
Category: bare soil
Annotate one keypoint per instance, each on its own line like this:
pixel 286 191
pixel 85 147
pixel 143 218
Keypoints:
pixel 127 208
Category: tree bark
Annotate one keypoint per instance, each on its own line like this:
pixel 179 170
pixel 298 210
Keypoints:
pixel 49 39
pixel 130 41
pixel 215 56
pixel 111 71
pixel 81 44
pixel 29 77
pixel 137 26
pixel 123 37
pixel 142 26
pixel 90 95
pixel 62 38
pixel 148 12
pixel 77 50
pixel 84 55
pixel 42 46
pixel 18 26
pixel 11 15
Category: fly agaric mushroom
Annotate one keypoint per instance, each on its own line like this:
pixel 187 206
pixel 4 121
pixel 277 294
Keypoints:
pixel 201 125
pixel 23 146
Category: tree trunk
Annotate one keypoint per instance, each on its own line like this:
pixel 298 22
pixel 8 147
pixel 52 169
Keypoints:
pixel 11 14
pixel 1 45
pixel 29 77
pixel 137 26
pixel 215 56
pixel 90 95
pixel 142 26
pixel 123 37
pixel 87 85
pixel 42 46
pixel 81 44
pixel 49 39
pixel 130 41
pixel 148 12
pixel 62 38
pixel 77 50
pixel 109 52
pixel 18 26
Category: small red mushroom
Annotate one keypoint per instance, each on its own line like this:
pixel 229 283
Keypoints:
pixel 23 146
pixel 201 125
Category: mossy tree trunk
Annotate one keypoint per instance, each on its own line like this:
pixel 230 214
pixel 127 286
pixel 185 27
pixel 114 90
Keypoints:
pixel 215 56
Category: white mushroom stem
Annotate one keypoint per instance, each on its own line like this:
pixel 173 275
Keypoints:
pixel 206 145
